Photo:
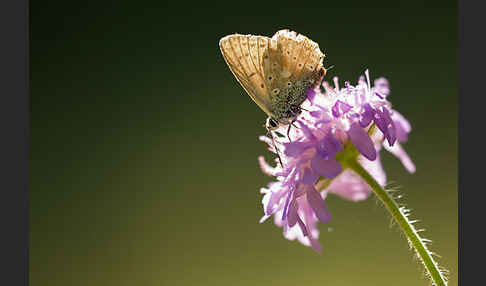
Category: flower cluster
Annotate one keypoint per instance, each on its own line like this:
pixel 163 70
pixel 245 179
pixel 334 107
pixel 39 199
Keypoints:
pixel 332 117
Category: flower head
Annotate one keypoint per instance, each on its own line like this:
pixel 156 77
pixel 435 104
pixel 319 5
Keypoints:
pixel 359 116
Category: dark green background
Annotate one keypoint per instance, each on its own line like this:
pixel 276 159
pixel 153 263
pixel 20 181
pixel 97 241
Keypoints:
pixel 144 146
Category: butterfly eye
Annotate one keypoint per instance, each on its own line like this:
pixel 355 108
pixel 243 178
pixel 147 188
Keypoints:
pixel 272 124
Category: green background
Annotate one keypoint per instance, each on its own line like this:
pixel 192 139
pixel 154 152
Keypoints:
pixel 144 146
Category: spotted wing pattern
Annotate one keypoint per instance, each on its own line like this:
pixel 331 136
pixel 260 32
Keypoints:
pixel 243 54
pixel 269 68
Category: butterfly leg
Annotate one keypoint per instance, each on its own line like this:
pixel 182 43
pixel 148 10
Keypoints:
pixel 288 132
pixel 305 109
pixel 290 126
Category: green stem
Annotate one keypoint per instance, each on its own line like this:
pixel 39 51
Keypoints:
pixel 406 226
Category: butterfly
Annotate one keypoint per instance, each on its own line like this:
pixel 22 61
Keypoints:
pixel 275 72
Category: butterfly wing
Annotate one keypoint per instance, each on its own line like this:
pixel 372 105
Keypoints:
pixel 244 56
pixel 293 58
pixel 266 67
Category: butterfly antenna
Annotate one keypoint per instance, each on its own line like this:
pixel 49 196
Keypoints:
pixel 329 68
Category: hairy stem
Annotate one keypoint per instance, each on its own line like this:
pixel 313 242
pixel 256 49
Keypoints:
pixel 398 215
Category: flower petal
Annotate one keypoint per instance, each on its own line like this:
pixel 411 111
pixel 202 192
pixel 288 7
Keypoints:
pixel 398 151
pixel 396 116
pixel 318 205
pixel 402 135
pixel 266 168
pixel 349 186
pixel 402 126
pixel 391 135
pixel 333 144
pixel 292 215
pixel 309 177
pixel 302 226
pixel 367 115
pixel 328 146
pixel 340 108
pixel 387 116
pixel 311 94
pixel 316 113
pixel 315 245
pixel 327 168
pixel 321 149
pixel 362 141
pixel 300 190
pixel 345 107
pixel 306 130
pixel 380 121
pixel 286 206
pixel 374 168
pixel 294 149
pixel 382 86
pixel 267 140
pixel 263 218
pixel 273 202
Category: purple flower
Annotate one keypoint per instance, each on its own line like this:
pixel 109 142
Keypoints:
pixel 310 169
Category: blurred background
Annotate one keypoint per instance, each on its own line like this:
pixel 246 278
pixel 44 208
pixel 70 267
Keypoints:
pixel 144 146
